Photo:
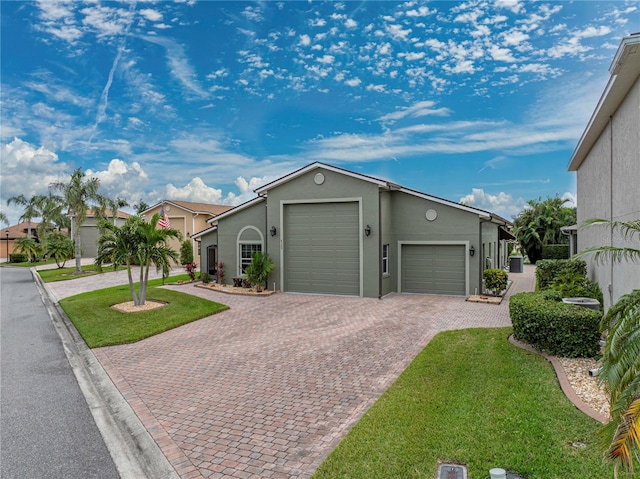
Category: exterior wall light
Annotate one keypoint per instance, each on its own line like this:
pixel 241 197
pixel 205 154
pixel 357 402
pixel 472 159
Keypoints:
pixel 367 230
pixel 273 231
pixel 472 251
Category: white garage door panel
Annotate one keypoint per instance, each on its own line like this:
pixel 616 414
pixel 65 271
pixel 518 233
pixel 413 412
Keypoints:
pixel 321 248
pixel 433 269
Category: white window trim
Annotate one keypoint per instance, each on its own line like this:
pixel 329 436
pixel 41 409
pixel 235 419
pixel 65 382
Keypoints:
pixel 386 270
pixel 239 244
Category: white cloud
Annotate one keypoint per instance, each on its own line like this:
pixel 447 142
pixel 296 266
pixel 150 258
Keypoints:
pixel 121 179
pixel 196 190
pixel 514 5
pixel 353 82
pixel 503 204
pixel 350 23
pixel 305 40
pixel 151 15
pixel 27 170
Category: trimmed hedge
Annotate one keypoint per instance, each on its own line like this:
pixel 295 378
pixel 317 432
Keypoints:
pixel 18 258
pixel 555 251
pixel 548 269
pixel 542 320
pixel 495 280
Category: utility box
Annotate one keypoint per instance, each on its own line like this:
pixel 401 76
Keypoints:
pixel 516 264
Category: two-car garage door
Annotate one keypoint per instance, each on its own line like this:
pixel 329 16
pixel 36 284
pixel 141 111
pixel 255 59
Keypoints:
pixel 322 248
pixel 433 269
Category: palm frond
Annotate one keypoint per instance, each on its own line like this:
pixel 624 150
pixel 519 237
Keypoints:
pixel 627 436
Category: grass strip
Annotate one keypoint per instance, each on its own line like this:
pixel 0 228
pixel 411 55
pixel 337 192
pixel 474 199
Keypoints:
pixel 100 325
pixel 470 397
pixel 65 274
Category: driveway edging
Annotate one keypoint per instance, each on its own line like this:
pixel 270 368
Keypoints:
pixel 132 448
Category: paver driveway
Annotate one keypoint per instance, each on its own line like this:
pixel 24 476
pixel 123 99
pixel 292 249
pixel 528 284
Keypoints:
pixel 269 387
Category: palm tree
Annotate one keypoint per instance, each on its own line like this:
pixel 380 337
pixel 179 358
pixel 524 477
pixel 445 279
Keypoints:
pixel 113 205
pixel 77 195
pixel 540 222
pixel 58 246
pixel 620 370
pixel 136 242
pixel 31 208
pixel 27 246
pixel 4 219
pixel 155 249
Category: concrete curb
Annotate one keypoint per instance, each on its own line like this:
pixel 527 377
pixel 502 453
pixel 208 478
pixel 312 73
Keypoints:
pixel 135 454
pixel 564 382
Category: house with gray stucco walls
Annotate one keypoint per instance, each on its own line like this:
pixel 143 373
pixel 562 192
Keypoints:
pixel 332 231
pixel 607 163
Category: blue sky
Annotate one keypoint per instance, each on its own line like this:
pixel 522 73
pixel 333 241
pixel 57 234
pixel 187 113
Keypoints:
pixel 481 101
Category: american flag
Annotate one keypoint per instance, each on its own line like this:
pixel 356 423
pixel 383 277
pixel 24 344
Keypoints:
pixel 163 222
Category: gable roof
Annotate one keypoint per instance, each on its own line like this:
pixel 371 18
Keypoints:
pixel 109 213
pixel 387 185
pixel 193 208
pixel 235 209
pixel 625 70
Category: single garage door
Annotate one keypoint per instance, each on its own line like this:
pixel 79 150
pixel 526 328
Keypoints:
pixel 433 269
pixel 321 248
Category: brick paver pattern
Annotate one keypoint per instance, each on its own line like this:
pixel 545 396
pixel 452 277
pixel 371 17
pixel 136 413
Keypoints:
pixel 268 388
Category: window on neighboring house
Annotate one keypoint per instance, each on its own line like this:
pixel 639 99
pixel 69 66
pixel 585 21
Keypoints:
pixel 385 259
pixel 246 253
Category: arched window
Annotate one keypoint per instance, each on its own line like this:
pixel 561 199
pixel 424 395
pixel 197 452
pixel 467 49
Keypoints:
pixel 250 240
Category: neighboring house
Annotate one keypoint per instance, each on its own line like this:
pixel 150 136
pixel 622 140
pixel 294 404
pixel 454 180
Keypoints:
pixel 333 231
pixel 188 218
pixel 89 232
pixel 11 233
pixel 607 162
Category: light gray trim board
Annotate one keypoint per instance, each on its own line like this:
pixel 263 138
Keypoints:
pixel 435 243
pixel 236 209
pixel 313 166
pixel 283 203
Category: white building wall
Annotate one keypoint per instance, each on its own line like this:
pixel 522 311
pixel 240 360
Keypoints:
pixel 609 188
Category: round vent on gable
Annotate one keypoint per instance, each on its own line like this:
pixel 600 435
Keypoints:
pixel 431 215
pixel 318 179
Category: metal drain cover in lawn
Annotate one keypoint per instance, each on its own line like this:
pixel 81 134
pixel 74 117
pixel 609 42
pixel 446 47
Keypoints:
pixel 452 471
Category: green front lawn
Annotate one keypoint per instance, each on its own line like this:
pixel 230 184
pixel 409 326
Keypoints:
pixel 101 325
pixel 471 397
pixel 64 274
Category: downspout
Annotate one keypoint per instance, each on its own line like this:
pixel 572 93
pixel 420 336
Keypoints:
pixel 480 258
pixel 611 206
pixel 379 245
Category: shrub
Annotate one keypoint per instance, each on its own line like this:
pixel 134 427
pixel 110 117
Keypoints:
pixel 495 280
pixel 186 252
pixel 548 269
pixel 17 258
pixel 555 251
pixel 220 273
pixel 571 285
pixel 259 269
pixel 191 270
pixel 542 320
pixel 204 277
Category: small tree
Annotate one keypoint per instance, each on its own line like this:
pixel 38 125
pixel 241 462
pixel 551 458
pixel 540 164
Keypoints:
pixel 137 242
pixel 258 270
pixel 186 252
pixel 29 247
pixel 58 246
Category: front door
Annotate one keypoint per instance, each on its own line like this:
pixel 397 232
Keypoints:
pixel 212 260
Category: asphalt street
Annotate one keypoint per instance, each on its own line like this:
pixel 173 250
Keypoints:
pixel 46 427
